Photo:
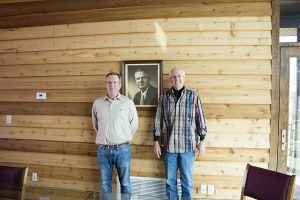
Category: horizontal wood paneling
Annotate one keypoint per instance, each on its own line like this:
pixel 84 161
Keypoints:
pixel 248 23
pixel 261 82
pixel 66 184
pixel 137 164
pixel 224 47
pixel 235 96
pixel 49 121
pixel 64 173
pixel 208 96
pixel 52 159
pixel 138 151
pixel 217 111
pixel 230 67
pixel 229 140
pixel 158 38
pixel 84 122
pixel 218 82
pixel 67 69
pixel 213 67
pixel 138 53
pixel 47 146
pixel 44 108
pixel 145 12
pixel 51 134
pixel 39 7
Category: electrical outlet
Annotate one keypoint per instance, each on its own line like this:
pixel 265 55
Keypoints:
pixel 203 189
pixel 34 177
pixel 8 119
pixel 44 198
pixel 210 189
pixel 41 95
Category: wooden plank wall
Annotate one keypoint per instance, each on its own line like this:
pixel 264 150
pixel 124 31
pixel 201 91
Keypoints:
pixel 225 50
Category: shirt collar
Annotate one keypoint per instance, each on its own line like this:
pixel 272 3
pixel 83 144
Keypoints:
pixel 118 97
pixel 145 92
pixel 183 90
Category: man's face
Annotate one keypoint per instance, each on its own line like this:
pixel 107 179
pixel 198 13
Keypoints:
pixel 113 85
pixel 142 80
pixel 177 79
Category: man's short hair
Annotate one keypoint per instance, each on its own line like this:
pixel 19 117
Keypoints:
pixel 179 69
pixel 143 70
pixel 113 73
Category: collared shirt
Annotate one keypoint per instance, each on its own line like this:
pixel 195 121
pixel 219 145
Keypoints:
pixel 115 121
pixel 180 123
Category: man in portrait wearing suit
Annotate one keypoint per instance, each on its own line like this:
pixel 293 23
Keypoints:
pixel 148 94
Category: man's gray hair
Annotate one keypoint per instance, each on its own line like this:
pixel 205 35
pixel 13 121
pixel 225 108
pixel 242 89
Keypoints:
pixel 179 69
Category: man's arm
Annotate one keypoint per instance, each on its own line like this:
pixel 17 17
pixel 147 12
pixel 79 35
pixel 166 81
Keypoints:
pixel 158 127
pixel 133 118
pixel 200 126
pixel 94 118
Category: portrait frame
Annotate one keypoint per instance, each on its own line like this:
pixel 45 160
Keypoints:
pixel 132 87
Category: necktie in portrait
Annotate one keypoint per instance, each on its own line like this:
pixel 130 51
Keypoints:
pixel 142 101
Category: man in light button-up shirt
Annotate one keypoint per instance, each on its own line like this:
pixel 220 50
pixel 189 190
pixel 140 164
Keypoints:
pixel 115 121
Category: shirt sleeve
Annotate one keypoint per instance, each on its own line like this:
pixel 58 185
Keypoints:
pixel 133 118
pixel 94 118
pixel 158 124
pixel 201 128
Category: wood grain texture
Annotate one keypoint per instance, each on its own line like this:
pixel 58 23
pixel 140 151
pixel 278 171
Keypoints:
pixel 251 97
pixel 275 85
pixel 145 12
pixel 40 7
pixel 224 46
pixel 201 82
pixel 211 38
pixel 195 24
pixel 212 111
pixel 203 67
pixel 145 123
pixel 138 53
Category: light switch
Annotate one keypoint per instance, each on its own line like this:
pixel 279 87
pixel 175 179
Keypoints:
pixel 34 177
pixel 210 189
pixel 44 198
pixel 203 189
pixel 8 119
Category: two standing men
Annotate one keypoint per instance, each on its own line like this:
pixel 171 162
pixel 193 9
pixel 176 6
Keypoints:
pixel 179 125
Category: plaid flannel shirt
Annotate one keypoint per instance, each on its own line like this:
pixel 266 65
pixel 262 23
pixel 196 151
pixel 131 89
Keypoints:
pixel 180 124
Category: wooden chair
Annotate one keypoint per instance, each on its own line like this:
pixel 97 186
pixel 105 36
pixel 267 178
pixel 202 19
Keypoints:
pixel 12 182
pixel 264 184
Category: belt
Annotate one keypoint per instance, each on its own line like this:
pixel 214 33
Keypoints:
pixel 115 146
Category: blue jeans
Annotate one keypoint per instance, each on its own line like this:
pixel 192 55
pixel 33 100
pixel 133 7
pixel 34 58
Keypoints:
pixel 185 163
pixel 120 158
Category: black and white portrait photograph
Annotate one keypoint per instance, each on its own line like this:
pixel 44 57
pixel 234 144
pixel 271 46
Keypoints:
pixel 142 82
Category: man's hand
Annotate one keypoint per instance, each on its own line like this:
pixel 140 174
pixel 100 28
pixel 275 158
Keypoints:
pixel 156 149
pixel 200 148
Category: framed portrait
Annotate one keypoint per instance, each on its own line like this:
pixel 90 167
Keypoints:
pixel 142 82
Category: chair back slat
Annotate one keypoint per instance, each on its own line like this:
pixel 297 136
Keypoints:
pixel 265 184
pixel 12 180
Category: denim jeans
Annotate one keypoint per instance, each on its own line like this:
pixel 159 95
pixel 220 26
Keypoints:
pixel 185 163
pixel 120 158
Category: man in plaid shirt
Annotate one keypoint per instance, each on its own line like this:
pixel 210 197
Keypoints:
pixel 180 126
